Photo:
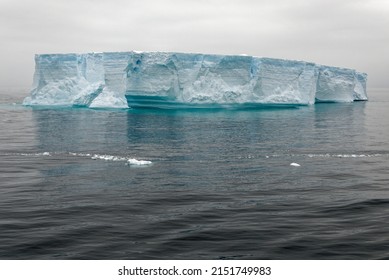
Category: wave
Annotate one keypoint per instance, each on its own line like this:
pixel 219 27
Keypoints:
pixel 311 155
pixel 32 154
pixel 128 160
pixel 360 206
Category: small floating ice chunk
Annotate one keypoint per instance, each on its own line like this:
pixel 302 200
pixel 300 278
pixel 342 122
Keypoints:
pixel 295 164
pixel 133 161
pixel 45 154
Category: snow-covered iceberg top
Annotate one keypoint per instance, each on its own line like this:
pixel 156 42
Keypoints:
pixel 123 79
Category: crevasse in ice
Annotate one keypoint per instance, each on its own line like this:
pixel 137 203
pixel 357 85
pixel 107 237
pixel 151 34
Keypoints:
pixel 122 79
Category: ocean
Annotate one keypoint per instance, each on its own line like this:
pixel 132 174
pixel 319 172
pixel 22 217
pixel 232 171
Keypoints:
pixel 308 182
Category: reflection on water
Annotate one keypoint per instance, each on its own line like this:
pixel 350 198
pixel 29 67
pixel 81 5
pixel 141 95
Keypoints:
pixel 79 129
pixel 339 121
pixel 163 132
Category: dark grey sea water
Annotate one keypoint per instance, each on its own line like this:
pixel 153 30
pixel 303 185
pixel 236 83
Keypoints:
pixel 220 185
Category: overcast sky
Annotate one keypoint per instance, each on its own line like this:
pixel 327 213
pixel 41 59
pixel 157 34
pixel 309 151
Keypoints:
pixel 346 33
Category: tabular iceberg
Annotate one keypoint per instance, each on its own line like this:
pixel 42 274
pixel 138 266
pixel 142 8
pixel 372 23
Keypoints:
pixel 123 79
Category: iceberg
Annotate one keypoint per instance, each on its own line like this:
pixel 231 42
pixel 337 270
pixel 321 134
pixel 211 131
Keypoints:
pixel 163 79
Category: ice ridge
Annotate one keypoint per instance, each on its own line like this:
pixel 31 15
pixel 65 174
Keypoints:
pixel 123 79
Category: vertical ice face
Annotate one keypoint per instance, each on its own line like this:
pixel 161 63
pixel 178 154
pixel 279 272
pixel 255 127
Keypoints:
pixel 92 67
pixel 114 78
pixel 65 80
pixel 283 81
pixel 118 78
pixel 216 79
pixel 151 74
pixel 360 86
pixel 335 84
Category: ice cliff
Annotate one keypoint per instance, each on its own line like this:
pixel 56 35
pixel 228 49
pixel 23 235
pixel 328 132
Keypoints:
pixel 123 79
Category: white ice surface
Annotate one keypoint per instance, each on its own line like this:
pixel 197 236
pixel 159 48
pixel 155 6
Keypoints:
pixel 106 80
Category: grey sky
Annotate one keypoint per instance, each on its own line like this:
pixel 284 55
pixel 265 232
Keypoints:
pixel 347 33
